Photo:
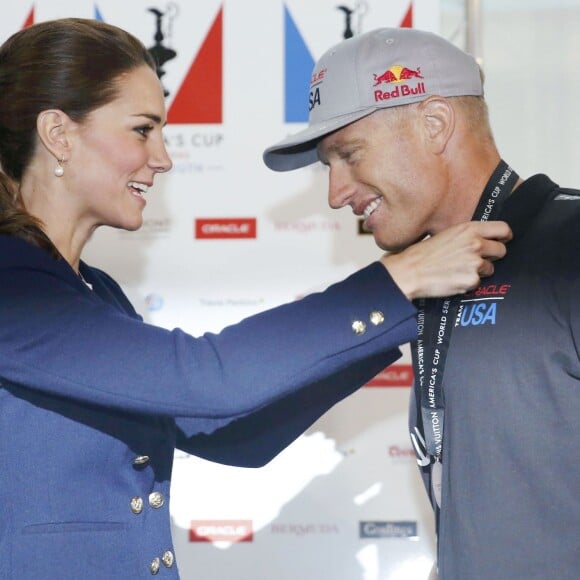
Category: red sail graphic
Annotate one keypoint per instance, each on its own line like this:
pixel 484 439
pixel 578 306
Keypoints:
pixel 407 21
pixel 30 20
pixel 199 99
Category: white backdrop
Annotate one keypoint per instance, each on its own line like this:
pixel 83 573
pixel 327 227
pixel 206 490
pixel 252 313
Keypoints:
pixel 224 237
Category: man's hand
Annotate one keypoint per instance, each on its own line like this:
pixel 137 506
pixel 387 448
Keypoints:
pixel 450 262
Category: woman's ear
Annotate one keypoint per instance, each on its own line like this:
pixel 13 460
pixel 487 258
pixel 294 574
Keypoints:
pixel 438 122
pixel 52 126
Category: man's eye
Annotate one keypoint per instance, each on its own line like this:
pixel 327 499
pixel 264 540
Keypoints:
pixel 348 156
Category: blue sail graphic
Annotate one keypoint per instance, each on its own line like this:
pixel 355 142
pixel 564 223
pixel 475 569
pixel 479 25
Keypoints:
pixel 298 65
pixel 98 15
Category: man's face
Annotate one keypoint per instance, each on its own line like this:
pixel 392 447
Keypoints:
pixel 382 167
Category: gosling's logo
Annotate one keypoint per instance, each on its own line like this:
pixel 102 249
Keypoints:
pixel 480 307
pixel 388 529
pixel 398 75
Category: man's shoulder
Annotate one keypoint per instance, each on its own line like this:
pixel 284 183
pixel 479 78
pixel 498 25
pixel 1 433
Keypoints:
pixel 564 207
pixel 567 194
pixel 555 228
pixel 547 197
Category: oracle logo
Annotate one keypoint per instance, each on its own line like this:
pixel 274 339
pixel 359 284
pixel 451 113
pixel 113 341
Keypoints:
pixel 221 530
pixel 225 228
pixel 398 452
pixel 393 376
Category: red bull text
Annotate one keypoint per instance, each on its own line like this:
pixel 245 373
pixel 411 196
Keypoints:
pixel 397 75
pixel 400 91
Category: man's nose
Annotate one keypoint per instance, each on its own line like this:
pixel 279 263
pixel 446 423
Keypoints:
pixel 340 187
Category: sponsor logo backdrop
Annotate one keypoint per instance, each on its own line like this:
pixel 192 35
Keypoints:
pixel 223 238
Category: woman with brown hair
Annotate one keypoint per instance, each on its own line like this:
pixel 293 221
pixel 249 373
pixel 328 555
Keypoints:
pixel 93 401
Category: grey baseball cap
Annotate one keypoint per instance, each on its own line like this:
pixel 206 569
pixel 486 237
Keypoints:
pixel 386 67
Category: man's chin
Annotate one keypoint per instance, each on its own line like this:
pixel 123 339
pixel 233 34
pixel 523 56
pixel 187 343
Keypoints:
pixel 395 246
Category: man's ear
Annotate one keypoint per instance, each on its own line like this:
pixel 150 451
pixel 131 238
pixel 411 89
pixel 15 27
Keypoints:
pixel 53 126
pixel 438 122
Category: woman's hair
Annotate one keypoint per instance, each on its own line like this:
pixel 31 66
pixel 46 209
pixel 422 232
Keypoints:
pixel 70 64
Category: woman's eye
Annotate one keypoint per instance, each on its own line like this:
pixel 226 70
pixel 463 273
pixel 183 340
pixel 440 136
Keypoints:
pixel 144 130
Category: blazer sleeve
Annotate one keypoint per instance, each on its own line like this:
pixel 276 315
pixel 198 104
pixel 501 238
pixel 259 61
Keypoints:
pixel 255 439
pixel 56 339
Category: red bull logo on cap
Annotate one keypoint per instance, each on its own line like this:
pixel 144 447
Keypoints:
pixel 397 75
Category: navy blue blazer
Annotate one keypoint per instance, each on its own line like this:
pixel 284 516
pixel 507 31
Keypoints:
pixel 93 402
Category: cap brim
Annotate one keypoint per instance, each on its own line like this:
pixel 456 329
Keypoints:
pixel 299 150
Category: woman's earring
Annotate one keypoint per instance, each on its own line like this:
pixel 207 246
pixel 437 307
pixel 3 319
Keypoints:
pixel 59 169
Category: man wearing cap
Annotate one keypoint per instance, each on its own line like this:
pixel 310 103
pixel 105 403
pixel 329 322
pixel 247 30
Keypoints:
pixel 399 118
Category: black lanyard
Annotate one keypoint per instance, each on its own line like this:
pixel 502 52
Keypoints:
pixel 435 322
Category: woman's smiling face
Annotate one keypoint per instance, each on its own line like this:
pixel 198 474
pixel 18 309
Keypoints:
pixel 118 149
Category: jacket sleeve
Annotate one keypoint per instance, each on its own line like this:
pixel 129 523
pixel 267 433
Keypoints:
pixel 56 339
pixel 255 439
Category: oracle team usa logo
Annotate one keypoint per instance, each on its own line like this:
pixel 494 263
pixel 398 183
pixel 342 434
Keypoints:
pixel 480 307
